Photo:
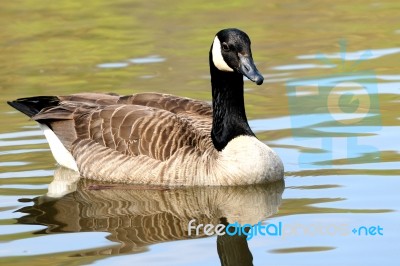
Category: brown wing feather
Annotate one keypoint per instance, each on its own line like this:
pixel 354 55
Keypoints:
pixel 127 128
pixel 143 138
pixel 130 129
pixel 198 113
pixel 171 103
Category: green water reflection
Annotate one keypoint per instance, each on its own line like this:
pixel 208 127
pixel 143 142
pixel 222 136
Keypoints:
pixel 129 46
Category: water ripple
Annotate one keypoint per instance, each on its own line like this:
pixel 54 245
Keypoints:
pixel 353 56
pixel 32 173
pixel 139 60
pixel 301 66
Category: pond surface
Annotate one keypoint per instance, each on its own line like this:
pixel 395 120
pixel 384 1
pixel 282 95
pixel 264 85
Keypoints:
pixel 328 106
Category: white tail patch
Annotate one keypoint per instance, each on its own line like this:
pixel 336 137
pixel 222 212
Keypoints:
pixel 60 153
pixel 217 58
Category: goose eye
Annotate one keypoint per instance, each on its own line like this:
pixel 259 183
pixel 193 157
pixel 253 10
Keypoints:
pixel 225 47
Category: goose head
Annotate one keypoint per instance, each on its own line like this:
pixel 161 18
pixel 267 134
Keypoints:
pixel 230 52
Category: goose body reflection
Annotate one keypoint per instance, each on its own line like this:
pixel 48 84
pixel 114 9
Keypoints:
pixel 137 217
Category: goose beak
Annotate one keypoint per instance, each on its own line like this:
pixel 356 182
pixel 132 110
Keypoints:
pixel 248 69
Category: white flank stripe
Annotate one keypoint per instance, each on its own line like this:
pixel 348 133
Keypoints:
pixel 60 153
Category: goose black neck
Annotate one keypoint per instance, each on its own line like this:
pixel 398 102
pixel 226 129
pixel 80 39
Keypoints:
pixel 229 115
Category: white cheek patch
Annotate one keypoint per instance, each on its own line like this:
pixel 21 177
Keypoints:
pixel 217 58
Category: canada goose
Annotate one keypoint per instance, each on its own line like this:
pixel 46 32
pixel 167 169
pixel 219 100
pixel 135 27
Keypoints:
pixel 160 139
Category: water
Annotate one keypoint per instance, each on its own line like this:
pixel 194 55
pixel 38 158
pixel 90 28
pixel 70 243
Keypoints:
pixel 328 107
